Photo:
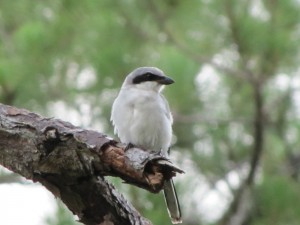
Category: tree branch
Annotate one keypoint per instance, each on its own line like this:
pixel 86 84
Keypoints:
pixel 242 205
pixel 259 127
pixel 71 162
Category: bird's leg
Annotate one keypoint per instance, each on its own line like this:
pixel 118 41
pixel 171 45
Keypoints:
pixel 164 153
pixel 161 152
pixel 128 146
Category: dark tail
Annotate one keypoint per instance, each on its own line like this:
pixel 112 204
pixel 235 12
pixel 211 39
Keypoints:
pixel 172 202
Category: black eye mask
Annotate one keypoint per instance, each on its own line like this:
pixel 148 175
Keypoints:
pixel 146 77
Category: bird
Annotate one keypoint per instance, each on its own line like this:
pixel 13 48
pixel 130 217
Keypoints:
pixel 141 117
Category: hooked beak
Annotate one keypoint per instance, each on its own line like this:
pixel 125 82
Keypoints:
pixel 166 81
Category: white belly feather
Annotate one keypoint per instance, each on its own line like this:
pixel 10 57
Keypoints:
pixel 143 119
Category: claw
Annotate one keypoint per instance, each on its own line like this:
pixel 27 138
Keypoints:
pixel 169 150
pixel 162 153
pixel 128 146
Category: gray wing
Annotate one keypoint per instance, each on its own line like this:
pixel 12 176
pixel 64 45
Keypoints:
pixel 121 117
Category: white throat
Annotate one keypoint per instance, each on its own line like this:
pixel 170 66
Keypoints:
pixel 150 86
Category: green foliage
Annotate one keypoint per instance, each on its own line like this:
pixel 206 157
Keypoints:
pixel 278 200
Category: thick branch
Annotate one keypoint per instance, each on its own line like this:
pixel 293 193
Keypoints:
pixel 71 163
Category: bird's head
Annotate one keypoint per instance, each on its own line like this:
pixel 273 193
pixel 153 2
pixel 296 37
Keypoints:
pixel 147 78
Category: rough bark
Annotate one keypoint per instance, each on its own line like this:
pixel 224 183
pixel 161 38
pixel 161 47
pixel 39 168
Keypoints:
pixel 71 162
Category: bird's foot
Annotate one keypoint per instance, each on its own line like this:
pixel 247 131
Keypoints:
pixel 128 146
pixel 162 153
pixel 169 150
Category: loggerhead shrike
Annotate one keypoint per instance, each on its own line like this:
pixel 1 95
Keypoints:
pixel 141 117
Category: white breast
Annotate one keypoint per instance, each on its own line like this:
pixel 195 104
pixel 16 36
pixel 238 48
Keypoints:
pixel 143 119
